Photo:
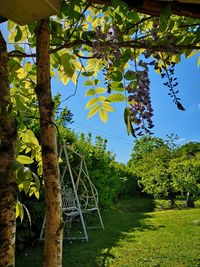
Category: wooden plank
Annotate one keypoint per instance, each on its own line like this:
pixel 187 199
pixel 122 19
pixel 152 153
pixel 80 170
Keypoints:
pixel 24 12
pixel 153 7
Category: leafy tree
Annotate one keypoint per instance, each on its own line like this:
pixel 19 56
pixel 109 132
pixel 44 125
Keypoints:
pixel 164 170
pixel 143 146
pixel 185 168
pixel 153 173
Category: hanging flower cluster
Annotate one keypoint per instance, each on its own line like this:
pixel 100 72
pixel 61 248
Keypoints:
pixel 139 100
pixel 139 106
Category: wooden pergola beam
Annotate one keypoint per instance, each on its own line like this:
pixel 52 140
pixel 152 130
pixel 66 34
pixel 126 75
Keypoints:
pixel 190 8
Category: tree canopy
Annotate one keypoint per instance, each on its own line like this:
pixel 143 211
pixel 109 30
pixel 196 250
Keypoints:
pixel 163 170
pixel 88 39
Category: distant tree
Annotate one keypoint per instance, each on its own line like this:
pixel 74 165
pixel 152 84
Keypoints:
pixel 64 116
pixel 165 169
pixel 188 150
pixel 144 146
pixel 185 168
pixel 153 173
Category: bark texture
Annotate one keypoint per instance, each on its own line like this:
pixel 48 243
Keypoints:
pixel 51 174
pixel 8 188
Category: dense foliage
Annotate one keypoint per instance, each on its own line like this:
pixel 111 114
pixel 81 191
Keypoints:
pixel 89 39
pixel 164 170
pixel 113 181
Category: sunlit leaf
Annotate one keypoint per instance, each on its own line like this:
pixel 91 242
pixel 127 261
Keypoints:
pixel 90 92
pixel 100 90
pixel 91 102
pixel 103 115
pixel 115 98
pixel 65 78
pixel 19 211
pixel 117 86
pixel 193 53
pixel 101 98
pixel 107 107
pixel 21 73
pixel 24 159
pixel 88 83
pixel 93 111
pixel 37 195
pixel 26 186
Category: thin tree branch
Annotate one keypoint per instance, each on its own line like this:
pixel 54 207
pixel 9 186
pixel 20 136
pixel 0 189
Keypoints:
pixel 123 44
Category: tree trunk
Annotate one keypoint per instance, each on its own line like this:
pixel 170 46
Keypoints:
pixel 8 187
pixel 172 198
pixel 52 187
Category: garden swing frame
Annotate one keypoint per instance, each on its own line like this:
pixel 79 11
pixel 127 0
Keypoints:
pixel 71 204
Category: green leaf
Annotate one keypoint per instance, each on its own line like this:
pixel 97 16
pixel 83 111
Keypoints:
pixel 88 83
pixel 130 75
pixel 90 92
pixel 40 169
pixel 37 181
pixel 11 25
pixel 117 86
pixel 93 111
pixel 100 90
pixel 16 166
pixel 28 214
pixel 18 36
pixel 91 102
pixel 37 195
pixel 24 159
pixel 101 98
pixel 87 73
pixel 127 119
pixel 103 115
pixel 26 186
pixel 116 76
pixel 96 82
pixel 19 211
pixel 115 98
pixel 128 122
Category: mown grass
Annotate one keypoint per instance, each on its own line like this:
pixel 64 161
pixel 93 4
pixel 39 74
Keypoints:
pixel 131 238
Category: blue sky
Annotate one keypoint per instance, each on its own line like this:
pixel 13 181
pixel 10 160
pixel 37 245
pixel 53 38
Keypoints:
pixel 167 118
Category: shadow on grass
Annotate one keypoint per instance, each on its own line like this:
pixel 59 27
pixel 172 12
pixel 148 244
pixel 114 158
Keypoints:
pixel 120 223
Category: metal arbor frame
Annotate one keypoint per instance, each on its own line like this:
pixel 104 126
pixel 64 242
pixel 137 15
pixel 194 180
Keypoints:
pixel 79 195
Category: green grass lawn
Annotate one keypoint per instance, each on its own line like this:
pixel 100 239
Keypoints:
pixel 131 238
